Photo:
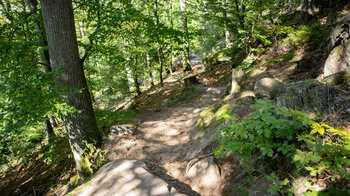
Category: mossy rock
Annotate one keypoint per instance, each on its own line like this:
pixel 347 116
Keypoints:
pixel 339 78
pixel 211 116
pixel 309 96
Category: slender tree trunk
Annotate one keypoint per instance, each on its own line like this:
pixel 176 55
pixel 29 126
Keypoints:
pixel 53 121
pixel 63 47
pixel 50 133
pixel 135 77
pixel 148 61
pixel 160 58
pixel 186 46
pixel 227 32
pixel 160 51
pixel 171 47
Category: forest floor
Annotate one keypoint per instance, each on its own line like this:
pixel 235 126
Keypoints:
pixel 163 135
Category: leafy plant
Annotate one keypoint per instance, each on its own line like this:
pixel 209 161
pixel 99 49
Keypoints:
pixel 312 146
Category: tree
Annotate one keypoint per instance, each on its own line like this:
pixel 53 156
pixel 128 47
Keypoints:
pixel 186 46
pixel 64 56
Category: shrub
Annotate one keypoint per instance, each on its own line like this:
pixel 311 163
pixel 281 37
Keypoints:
pixel 310 145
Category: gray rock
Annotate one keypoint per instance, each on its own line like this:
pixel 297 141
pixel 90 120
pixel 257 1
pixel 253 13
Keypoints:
pixel 261 187
pixel 311 97
pixel 339 32
pixel 339 78
pixel 268 87
pixel 338 60
pixel 124 177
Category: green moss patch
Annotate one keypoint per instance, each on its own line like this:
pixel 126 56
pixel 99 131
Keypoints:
pixel 211 116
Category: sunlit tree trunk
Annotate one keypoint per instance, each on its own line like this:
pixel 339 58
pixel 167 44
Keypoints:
pixel 63 47
pixel 227 32
pixel 186 46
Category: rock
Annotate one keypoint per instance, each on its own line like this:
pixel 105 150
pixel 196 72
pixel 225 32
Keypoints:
pixel 338 60
pixel 312 97
pixel 267 87
pixel 191 80
pixel 260 188
pixel 339 32
pixel 205 173
pixel 122 130
pixel 124 177
pixel 339 78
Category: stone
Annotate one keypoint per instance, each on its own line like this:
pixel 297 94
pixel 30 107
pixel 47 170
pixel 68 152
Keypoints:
pixel 338 60
pixel 267 87
pixel 339 32
pixel 204 173
pixel 125 177
pixel 191 80
pixel 338 78
pixel 311 97
pixel 260 188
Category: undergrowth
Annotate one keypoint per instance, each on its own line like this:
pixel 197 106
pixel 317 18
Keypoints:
pixel 273 132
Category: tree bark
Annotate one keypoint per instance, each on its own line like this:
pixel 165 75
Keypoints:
pixel 135 77
pixel 227 32
pixel 149 69
pixel 63 47
pixel 186 46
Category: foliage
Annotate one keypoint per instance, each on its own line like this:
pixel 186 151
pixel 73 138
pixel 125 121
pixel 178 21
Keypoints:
pixel 271 130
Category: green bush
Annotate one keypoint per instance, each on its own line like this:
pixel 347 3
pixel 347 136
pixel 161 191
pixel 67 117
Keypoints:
pixel 310 145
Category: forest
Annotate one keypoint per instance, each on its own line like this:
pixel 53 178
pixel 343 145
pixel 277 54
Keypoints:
pixel 207 97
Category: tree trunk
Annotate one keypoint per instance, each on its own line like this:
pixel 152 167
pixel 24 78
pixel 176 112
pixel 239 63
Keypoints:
pixel 171 47
pixel 227 32
pixel 135 77
pixel 186 46
pixel 63 47
pixel 50 133
pixel 160 58
pixel 149 69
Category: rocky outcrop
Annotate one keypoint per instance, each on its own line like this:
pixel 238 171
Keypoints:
pixel 339 33
pixel 125 177
pixel 267 87
pixel 312 97
pixel 338 78
pixel 338 60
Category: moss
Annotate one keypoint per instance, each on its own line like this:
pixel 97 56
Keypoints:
pixel 211 116
pixel 85 169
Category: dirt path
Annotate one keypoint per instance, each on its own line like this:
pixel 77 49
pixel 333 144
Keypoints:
pixel 163 135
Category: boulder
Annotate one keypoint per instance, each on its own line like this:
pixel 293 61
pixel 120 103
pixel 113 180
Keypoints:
pixel 338 78
pixel 268 87
pixel 311 97
pixel 124 177
pixel 339 32
pixel 205 174
pixel 338 60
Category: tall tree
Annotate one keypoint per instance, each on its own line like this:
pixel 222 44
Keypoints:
pixel 64 56
pixel 186 46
